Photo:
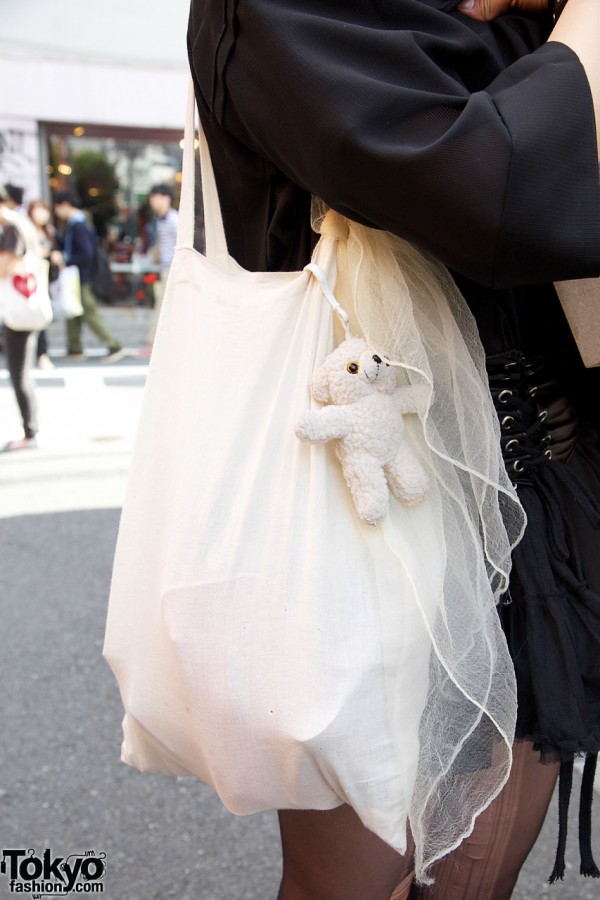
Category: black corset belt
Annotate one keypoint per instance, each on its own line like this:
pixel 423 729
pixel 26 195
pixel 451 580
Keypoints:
pixel 537 421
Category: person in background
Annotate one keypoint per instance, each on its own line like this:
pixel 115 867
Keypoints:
pixel 161 204
pixel 79 249
pixel 14 197
pixel 19 346
pixel 13 211
pixel 40 214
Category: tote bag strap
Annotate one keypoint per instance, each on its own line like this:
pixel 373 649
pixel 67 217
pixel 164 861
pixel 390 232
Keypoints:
pixel 216 244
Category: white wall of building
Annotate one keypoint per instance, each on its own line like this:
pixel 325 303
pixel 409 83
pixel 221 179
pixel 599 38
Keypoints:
pixel 19 155
pixel 54 91
pixel 119 62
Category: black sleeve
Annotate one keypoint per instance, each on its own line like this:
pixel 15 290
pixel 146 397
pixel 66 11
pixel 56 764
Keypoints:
pixel 396 115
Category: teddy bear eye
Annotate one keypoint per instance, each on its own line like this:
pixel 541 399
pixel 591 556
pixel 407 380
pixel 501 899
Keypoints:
pixel 353 368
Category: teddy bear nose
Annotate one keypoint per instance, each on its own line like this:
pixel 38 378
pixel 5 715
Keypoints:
pixel 377 360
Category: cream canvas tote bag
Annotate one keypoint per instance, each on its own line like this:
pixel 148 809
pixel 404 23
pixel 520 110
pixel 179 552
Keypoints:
pixel 263 638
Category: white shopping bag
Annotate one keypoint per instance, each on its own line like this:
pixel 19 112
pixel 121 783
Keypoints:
pixel 66 293
pixel 24 299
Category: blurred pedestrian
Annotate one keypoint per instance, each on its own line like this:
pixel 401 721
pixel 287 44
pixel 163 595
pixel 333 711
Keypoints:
pixel 161 203
pixel 14 197
pixel 79 249
pixel 11 197
pixel 40 214
pixel 19 346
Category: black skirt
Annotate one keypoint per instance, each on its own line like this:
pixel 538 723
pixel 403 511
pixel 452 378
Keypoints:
pixel 545 400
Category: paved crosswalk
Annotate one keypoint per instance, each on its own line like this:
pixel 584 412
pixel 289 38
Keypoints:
pixel 79 402
pixel 61 376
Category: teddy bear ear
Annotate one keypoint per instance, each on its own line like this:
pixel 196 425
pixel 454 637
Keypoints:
pixel 319 385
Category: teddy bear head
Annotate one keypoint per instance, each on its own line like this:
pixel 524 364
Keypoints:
pixel 351 372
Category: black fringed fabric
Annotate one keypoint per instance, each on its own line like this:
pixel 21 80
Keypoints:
pixel 588 865
pixel 565 785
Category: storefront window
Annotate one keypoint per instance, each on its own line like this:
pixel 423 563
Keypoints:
pixel 112 170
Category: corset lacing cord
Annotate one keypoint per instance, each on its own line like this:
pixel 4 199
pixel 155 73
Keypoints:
pixel 525 397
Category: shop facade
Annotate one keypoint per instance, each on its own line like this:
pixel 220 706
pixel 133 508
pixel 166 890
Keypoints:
pixel 95 103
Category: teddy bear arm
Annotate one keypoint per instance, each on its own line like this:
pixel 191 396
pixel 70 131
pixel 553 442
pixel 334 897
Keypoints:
pixel 326 424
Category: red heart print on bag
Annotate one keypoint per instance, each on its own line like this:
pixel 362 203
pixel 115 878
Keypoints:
pixel 25 284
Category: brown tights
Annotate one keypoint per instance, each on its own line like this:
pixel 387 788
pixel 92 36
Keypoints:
pixel 332 856
pixel 487 864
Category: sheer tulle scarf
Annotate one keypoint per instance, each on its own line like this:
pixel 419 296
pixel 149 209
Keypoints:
pixel 410 311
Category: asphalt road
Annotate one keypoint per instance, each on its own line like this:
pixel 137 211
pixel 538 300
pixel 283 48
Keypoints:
pixel 62 786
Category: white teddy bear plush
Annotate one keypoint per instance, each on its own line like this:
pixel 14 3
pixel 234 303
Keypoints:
pixel 365 420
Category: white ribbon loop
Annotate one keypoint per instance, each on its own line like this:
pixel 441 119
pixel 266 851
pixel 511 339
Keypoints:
pixel 321 277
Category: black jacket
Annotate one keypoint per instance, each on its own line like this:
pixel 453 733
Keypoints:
pixel 80 245
pixel 405 115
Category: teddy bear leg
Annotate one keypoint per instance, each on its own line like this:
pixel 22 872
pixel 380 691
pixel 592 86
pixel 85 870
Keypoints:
pixel 368 486
pixel 406 476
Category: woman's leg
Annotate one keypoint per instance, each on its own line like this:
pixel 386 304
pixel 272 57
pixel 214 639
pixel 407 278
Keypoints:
pixel 43 360
pixel 93 319
pixel 330 855
pixel 74 344
pixel 42 345
pixel 487 864
pixel 20 356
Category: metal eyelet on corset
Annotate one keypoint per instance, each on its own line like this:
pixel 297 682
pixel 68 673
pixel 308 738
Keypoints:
pixel 537 422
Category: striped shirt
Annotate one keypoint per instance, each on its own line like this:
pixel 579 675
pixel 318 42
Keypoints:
pixel 166 232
